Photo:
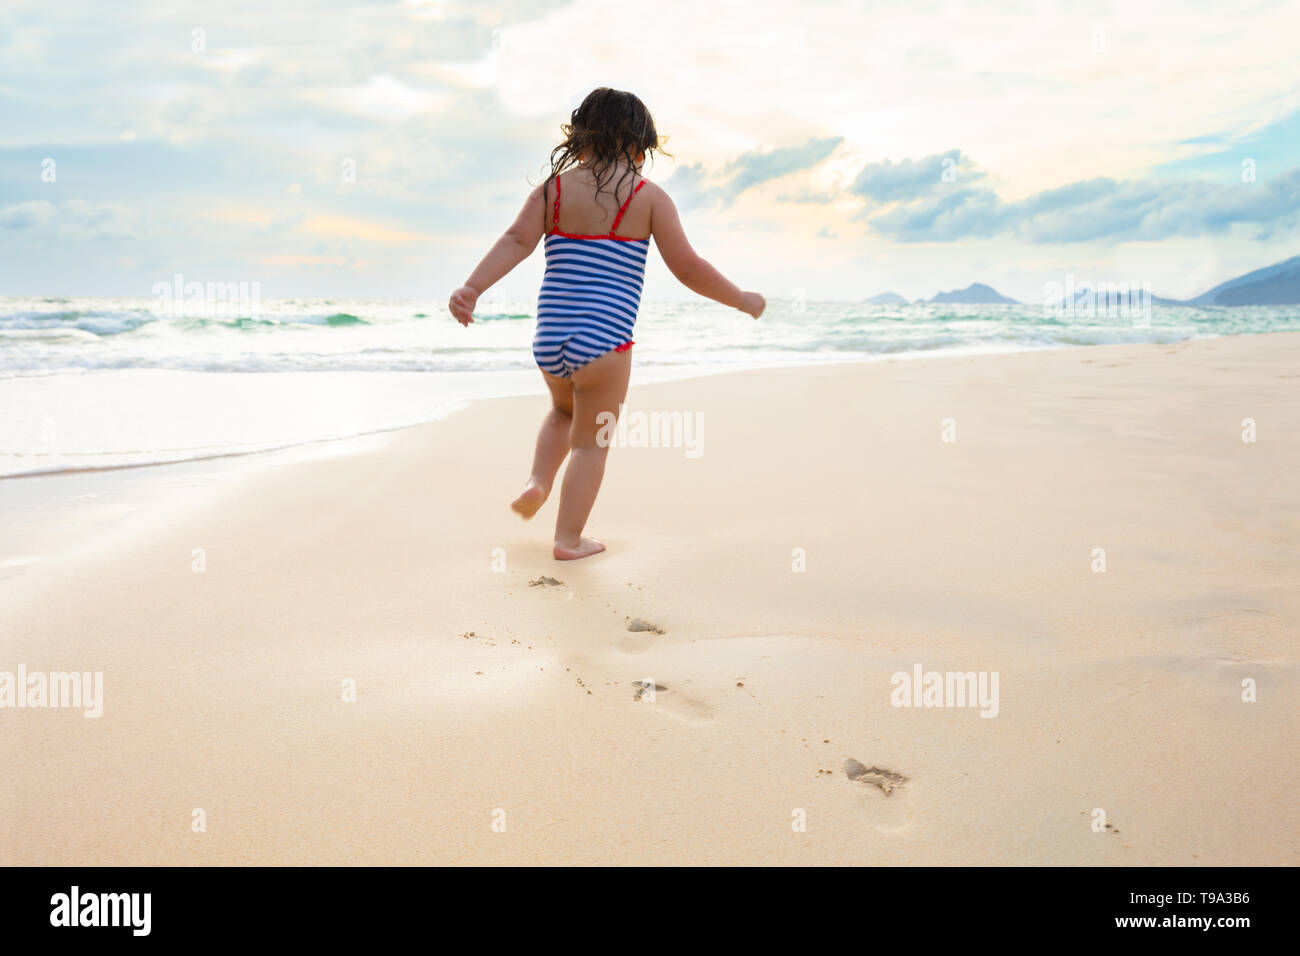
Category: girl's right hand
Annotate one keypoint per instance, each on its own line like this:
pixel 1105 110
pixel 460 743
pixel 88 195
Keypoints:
pixel 461 305
pixel 753 304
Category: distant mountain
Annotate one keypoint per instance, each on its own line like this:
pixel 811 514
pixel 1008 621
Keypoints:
pixel 1273 285
pixel 974 294
pixel 886 298
pixel 1278 284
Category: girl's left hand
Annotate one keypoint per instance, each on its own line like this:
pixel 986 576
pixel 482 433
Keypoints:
pixel 461 304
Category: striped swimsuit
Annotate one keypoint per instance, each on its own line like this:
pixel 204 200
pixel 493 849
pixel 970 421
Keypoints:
pixel 590 294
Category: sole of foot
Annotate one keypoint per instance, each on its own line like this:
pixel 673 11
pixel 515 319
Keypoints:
pixel 527 504
pixel 585 549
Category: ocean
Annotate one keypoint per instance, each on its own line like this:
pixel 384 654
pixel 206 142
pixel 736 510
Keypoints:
pixel 102 383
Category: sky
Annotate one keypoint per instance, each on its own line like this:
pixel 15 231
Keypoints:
pixel 821 150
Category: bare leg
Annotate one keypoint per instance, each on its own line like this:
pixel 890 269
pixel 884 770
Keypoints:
pixel 598 388
pixel 552 446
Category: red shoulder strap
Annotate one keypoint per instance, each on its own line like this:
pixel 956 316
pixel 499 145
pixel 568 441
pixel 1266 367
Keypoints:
pixel 623 208
pixel 555 219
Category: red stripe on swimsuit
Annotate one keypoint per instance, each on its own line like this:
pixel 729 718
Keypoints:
pixel 555 218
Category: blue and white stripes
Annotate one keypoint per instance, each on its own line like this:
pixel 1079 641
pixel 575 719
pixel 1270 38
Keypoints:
pixel 589 299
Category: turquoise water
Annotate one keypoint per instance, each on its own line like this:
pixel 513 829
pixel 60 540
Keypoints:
pixel 42 336
pixel 103 383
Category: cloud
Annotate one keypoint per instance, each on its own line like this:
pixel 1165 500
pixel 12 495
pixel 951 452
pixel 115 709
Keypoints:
pixel 806 195
pixel 693 186
pixel 75 218
pixel 957 214
pixel 339 227
pixel 25 215
pixel 689 186
pixel 1093 209
pixel 449 107
pixel 910 178
pixel 751 169
pixel 383 99
pixel 244 215
pixel 290 260
pixel 79 219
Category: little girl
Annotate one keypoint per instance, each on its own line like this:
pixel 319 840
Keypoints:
pixel 591 292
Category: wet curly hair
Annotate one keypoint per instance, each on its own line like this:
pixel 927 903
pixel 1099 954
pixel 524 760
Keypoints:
pixel 611 126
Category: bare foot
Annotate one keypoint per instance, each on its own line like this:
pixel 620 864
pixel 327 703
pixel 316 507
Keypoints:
pixel 585 549
pixel 533 497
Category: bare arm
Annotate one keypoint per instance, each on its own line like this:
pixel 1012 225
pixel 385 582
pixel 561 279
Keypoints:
pixel 690 268
pixel 515 245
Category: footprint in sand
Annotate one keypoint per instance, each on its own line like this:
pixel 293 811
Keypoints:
pixel 641 636
pixel 895 816
pixel 546 581
pixel 886 780
pixel 677 705
pixel 644 687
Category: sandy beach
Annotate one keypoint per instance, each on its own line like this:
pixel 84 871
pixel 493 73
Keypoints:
pixel 838 526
